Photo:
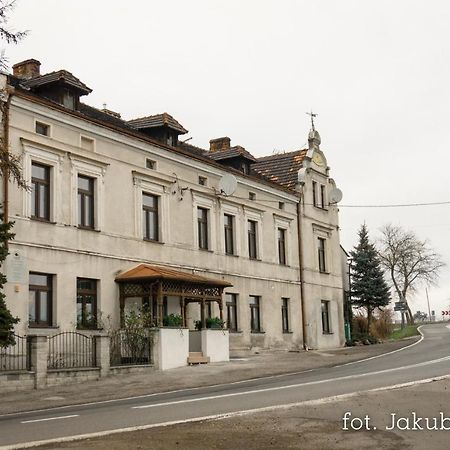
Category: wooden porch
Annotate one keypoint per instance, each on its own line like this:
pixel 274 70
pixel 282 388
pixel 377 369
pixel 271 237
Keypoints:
pixel 153 283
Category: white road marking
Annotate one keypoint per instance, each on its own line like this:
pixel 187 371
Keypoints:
pixel 319 401
pixel 388 353
pixel 51 418
pixel 291 386
pixel 209 386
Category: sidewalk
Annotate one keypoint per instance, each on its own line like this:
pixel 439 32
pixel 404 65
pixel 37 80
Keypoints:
pixel 129 385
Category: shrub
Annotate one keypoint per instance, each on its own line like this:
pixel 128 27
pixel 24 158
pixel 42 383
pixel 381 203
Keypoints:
pixel 383 325
pixel 173 320
pixel 359 325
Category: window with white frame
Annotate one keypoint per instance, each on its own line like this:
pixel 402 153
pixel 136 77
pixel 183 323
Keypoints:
pixel 42 170
pixel 40 191
pixel 42 128
pixel 88 188
pixel 253 231
pixel 282 238
pixel 150 216
pixel 228 224
pixel 321 254
pixel 151 208
pixel 204 222
pixel 325 311
pixel 86 202
pixel 285 315
pixel 202 228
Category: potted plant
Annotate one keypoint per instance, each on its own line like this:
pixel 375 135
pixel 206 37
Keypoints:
pixel 214 323
pixel 173 320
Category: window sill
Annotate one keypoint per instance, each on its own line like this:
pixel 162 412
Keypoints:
pixel 327 334
pixel 88 229
pixel 206 250
pixel 324 273
pixel 235 331
pixel 88 329
pixel 232 254
pixel 41 327
pixel 39 219
pixel 153 241
pixel 288 332
pixel 321 208
pixel 257 332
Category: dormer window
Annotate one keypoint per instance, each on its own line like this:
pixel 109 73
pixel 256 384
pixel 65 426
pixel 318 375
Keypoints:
pixel 61 86
pixel 245 168
pixel 68 99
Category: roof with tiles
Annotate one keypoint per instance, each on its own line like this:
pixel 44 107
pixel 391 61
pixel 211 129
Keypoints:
pixel 281 168
pixel 157 120
pixel 150 272
pixel 58 76
pixel 231 152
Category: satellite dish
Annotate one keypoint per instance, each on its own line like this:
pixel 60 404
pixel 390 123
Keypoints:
pixel 227 185
pixel 301 175
pixel 335 196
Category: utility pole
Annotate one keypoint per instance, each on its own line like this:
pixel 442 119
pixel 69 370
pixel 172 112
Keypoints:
pixel 428 300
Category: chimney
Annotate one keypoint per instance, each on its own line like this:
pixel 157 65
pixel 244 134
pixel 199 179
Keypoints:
pixel 27 69
pixel 222 143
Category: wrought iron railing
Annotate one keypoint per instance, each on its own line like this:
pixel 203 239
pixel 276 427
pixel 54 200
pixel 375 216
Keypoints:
pixel 70 350
pixel 15 357
pixel 130 348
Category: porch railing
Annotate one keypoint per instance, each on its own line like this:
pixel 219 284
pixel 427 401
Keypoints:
pixel 15 357
pixel 69 350
pixel 130 348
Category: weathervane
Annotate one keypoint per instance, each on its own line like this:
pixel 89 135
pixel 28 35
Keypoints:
pixel 312 119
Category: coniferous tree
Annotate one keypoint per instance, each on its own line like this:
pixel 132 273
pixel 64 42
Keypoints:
pixel 7 320
pixel 369 289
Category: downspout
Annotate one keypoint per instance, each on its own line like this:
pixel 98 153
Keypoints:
pixel 5 150
pixel 300 264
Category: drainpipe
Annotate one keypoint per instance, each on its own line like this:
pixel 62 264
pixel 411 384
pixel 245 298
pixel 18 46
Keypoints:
pixel 300 264
pixel 5 149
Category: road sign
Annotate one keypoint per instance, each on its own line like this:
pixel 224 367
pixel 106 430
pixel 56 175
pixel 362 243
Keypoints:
pixel 400 306
pixel 445 313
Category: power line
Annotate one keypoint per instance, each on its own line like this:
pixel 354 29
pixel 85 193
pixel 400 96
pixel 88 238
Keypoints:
pixel 400 205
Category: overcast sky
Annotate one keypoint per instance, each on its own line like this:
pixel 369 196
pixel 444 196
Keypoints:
pixel 376 72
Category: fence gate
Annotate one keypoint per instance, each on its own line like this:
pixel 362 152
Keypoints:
pixel 69 350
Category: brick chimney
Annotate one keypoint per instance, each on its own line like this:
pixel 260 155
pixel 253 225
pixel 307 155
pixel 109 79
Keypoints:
pixel 27 69
pixel 222 143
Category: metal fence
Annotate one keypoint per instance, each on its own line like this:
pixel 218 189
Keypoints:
pixel 130 348
pixel 15 357
pixel 69 350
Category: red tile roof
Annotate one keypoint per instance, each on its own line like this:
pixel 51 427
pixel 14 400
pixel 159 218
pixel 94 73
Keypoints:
pixel 59 75
pixel 281 168
pixel 231 152
pixel 150 272
pixel 157 120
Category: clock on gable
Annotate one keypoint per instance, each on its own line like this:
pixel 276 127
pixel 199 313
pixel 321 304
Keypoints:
pixel 317 159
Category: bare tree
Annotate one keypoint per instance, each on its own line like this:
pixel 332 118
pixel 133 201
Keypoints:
pixel 6 34
pixel 409 262
pixel 10 165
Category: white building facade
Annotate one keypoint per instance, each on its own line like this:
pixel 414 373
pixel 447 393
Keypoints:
pixel 107 196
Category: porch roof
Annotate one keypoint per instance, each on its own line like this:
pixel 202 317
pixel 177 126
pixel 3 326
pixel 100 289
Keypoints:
pixel 147 272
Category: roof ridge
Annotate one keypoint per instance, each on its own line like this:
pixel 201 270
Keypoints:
pixel 153 115
pixel 278 155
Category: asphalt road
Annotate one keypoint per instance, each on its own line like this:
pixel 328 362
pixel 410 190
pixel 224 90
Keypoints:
pixel 426 359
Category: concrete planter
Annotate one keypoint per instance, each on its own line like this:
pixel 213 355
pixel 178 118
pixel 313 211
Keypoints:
pixel 216 344
pixel 170 348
